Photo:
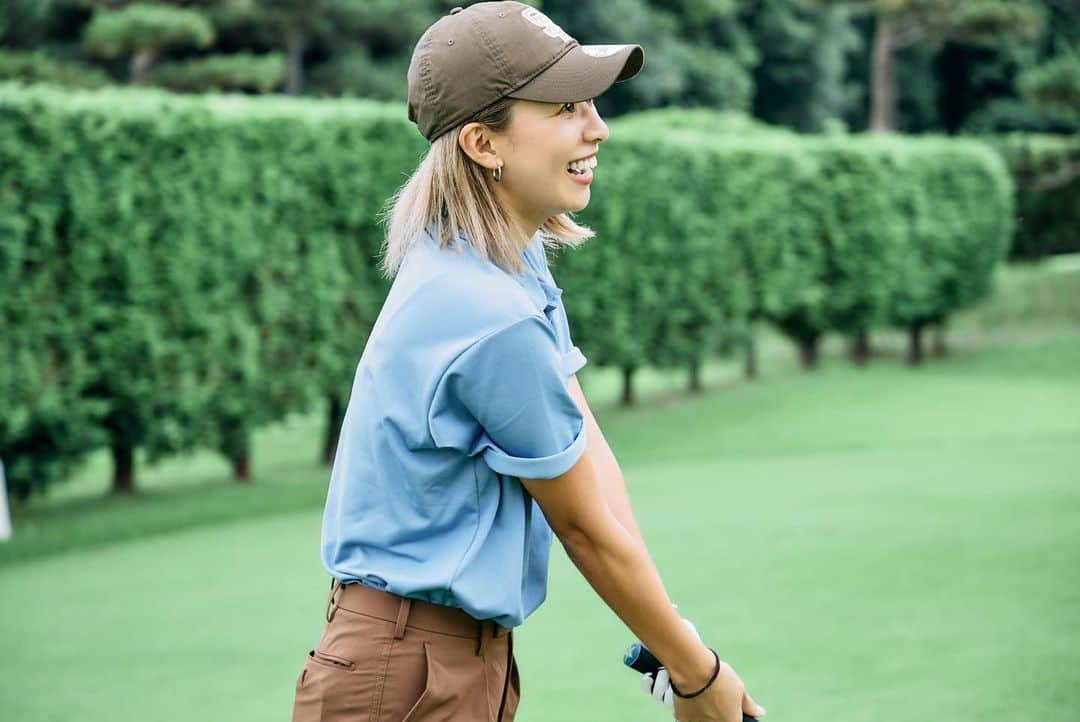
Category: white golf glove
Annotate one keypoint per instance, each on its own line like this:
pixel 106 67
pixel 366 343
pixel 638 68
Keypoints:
pixel 660 688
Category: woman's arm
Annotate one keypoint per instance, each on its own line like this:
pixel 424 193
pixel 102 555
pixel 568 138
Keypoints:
pixel 614 559
pixel 612 484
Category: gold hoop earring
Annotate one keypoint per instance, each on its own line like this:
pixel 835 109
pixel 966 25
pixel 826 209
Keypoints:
pixel 497 174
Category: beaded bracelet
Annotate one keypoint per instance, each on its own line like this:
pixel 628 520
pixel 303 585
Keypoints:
pixel 712 679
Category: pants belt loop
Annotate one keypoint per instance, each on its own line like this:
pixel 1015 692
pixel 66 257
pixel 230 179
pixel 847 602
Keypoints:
pixel 331 603
pixel 402 617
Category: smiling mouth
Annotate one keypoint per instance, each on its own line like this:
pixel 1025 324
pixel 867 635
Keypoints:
pixel 581 167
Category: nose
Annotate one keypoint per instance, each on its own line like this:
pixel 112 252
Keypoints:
pixel 596 129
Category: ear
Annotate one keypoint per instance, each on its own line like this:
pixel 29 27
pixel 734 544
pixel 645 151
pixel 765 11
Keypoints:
pixel 476 140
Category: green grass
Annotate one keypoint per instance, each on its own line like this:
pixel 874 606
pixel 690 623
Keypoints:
pixel 878 586
pixel 885 544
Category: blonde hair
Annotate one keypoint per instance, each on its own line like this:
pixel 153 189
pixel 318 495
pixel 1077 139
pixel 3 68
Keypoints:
pixel 450 190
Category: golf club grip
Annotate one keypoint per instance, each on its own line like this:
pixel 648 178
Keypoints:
pixel 639 658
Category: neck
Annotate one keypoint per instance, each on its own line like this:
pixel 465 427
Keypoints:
pixel 523 227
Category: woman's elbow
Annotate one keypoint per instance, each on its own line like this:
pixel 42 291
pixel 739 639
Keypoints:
pixel 574 506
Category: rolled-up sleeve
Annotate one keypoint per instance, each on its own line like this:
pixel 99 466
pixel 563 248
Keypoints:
pixel 505 398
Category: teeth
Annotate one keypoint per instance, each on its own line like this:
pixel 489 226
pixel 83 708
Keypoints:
pixel 580 166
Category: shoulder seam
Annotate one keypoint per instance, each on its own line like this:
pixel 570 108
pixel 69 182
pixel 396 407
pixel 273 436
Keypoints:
pixel 489 334
pixel 462 352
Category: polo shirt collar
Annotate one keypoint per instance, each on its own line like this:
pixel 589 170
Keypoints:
pixel 545 296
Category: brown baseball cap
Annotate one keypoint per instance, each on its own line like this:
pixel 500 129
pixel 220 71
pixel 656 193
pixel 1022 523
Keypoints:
pixel 474 56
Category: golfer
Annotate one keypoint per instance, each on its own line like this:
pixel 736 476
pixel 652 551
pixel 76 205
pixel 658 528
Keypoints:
pixel 467 440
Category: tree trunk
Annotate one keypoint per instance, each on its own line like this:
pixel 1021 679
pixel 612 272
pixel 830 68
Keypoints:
pixel 808 352
pixel 140 64
pixel 750 361
pixel 123 467
pixel 695 376
pixel 628 386
pixel 236 447
pixel 860 347
pixel 295 45
pixel 335 416
pixel 241 467
pixel 882 80
pixel 939 347
pixel 915 344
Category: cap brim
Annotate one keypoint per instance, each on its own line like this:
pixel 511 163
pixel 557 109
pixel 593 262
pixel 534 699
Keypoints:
pixel 584 72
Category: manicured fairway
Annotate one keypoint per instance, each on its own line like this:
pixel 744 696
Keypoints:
pixel 880 545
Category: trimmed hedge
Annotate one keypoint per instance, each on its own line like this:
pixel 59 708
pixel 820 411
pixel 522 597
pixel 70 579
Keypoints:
pixel 658 286
pixel 912 230
pixel 847 233
pixel 179 270
pixel 182 269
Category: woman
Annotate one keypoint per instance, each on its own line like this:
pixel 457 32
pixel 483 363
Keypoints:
pixel 466 420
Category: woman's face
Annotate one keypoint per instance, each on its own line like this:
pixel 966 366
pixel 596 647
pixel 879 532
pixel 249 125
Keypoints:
pixel 536 150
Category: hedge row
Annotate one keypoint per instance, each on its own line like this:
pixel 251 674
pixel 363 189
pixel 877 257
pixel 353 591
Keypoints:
pixel 177 271
pixel 843 233
pixel 1045 170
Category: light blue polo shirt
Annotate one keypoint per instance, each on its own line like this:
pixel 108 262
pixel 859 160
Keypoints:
pixel 460 390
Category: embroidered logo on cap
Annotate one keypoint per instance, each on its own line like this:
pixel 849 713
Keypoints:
pixel 545 23
pixel 601 51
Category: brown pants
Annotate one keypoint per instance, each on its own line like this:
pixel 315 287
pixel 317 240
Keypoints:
pixel 385 658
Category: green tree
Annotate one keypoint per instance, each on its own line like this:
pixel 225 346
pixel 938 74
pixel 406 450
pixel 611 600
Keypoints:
pixel 233 71
pixel 699 53
pixel 900 24
pixel 371 60
pixel 801 81
pixel 143 31
pixel 332 32
pixel 1054 84
pixel 26 24
pixel 39 67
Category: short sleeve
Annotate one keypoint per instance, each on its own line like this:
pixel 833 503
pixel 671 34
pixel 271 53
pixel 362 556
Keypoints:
pixel 505 398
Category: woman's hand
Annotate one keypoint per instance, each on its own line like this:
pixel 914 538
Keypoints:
pixel 660 687
pixel 725 700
